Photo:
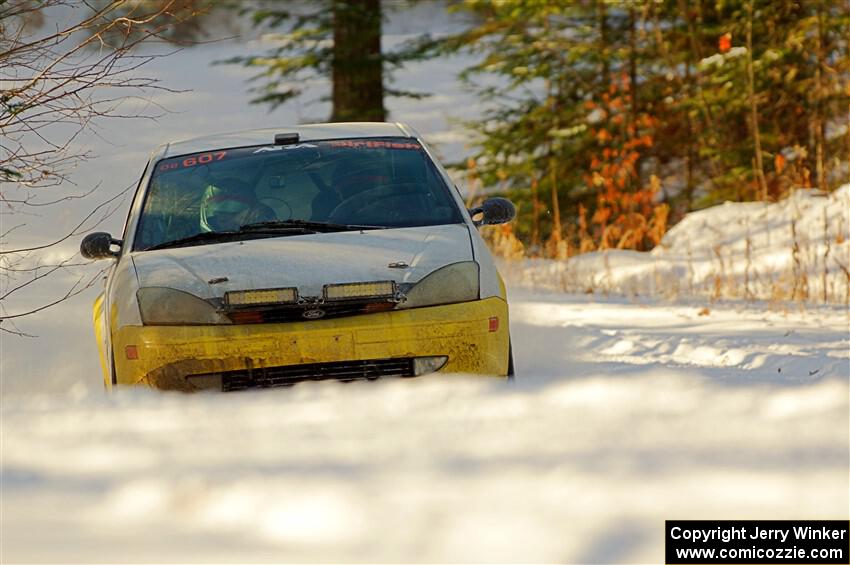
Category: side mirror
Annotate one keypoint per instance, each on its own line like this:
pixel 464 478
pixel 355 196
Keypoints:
pixel 98 245
pixel 494 211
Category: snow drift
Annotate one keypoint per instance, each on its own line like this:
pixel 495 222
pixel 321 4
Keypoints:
pixel 798 248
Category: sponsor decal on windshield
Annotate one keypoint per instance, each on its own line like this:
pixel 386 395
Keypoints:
pixel 189 161
pixel 285 147
pixel 373 144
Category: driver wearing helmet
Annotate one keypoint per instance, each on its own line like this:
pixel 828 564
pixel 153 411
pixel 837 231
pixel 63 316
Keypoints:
pixel 230 204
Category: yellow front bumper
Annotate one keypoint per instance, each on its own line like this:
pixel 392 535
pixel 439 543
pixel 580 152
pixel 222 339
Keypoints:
pixel 167 354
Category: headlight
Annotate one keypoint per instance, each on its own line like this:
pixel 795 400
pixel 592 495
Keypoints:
pixel 457 282
pixel 167 306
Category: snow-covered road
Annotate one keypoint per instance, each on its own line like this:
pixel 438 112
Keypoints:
pixel 623 415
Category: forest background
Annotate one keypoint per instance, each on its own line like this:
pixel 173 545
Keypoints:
pixel 605 122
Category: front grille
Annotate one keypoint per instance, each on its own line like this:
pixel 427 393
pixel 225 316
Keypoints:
pixel 296 313
pixel 345 371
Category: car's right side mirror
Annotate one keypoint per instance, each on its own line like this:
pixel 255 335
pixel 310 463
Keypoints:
pixel 98 245
pixel 494 211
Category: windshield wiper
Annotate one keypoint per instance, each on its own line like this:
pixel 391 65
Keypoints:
pixel 306 225
pixel 263 229
pixel 223 236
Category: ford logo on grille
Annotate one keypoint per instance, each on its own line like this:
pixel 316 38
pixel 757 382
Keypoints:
pixel 313 314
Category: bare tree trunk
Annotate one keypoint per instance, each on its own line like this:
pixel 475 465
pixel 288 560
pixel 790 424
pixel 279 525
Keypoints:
pixel 357 68
pixel 820 122
pixel 602 16
pixel 847 54
pixel 759 167
pixel 633 86
pixel 827 240
pixel 554 97
pixel 556 207
pixel 705 107
pixel 633 61
pixel 535 214
pixel 685 86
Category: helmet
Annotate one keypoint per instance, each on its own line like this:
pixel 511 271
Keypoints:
pixel 354 173
pixel 227 205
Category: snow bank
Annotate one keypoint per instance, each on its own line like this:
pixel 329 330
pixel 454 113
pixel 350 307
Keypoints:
pixel 798 248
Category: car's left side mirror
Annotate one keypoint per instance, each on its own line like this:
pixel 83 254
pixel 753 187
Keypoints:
pixel 494 211
pixel 98 245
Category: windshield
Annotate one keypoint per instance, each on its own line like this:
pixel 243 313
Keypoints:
pixel 374 182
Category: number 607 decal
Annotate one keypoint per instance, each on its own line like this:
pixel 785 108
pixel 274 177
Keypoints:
pixel 192 160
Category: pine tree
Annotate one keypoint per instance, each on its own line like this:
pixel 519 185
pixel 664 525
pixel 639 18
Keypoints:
pixel 737 100
pixel 337 40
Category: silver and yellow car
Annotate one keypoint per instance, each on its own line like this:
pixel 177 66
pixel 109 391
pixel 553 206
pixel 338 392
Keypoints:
pixel 269 257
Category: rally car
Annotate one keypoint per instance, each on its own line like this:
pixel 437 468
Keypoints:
pixel 269 257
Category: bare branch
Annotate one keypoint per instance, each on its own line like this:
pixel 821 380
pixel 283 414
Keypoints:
pixel 58 83
pixel 14 331
pixel 75 289
pixel 79 228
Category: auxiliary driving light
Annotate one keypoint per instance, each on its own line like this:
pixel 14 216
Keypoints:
pixel 240 298
pixel 353 291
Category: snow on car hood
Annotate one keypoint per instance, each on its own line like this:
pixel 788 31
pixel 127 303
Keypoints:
pixel 306 261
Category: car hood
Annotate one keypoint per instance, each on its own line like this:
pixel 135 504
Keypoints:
pixel 305 261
